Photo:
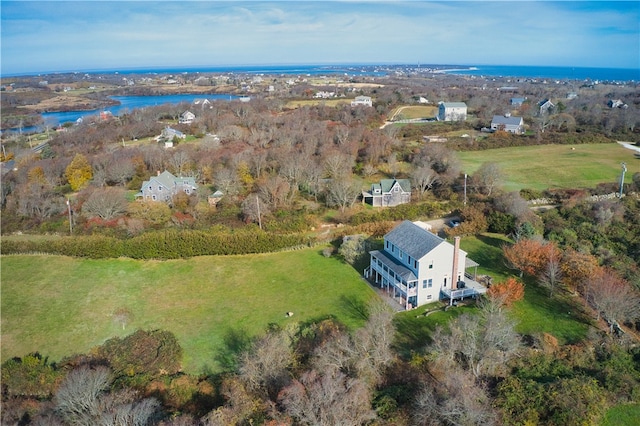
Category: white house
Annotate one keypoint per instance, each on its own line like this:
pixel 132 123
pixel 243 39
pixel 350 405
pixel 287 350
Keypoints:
pixel 362 100
pixel 452 111
pixel 417 267
pixel 187 117
pixel 508 123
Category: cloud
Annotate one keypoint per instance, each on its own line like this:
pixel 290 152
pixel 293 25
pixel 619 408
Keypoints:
pixel 40 36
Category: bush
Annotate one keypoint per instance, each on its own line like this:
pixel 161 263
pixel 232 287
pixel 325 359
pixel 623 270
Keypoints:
pixel 31 376
pixel 149 353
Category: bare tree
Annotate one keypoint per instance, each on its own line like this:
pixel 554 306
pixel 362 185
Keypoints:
pixel 423 178
pixel 487 178
pixel 612 297
pixel 456 400
pixel 106 203
pixel 482 343
pixel 77 399
pixel 342 192
pixel 551 275
pixel 331 398
pixel 265 367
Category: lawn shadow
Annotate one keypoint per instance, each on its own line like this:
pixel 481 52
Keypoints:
pixel 354 307
pixel 493 256
pixel 235 341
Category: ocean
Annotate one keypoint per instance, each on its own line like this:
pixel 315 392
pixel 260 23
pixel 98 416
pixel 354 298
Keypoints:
pixel 379 70
pixel 544 72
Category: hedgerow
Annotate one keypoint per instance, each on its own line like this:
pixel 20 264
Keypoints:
pixel 170 244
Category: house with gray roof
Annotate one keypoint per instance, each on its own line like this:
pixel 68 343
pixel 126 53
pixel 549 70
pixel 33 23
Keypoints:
pixel 388 193
pixel 452 111
pixel 417 267
pixel 165 186
pixel 508 123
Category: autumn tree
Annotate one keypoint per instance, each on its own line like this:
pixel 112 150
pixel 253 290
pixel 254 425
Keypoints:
pixel 507 292
pixel 342 192
pixel 576 268
pixel 526 255
pixel 78 172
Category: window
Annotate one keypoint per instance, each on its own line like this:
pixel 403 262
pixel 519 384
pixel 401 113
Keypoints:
pixel 386 244
pixel 424 283
pixel 428 297
pixel 159 188
pixel 415 264
pixel 153 197
pixel 431 265
pixel 150 188
pixel 430 282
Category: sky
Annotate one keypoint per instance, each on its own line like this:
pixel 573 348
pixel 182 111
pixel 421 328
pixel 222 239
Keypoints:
pixel 46 36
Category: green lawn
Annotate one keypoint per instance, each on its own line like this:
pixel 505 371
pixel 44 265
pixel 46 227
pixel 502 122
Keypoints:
pixel 622 415
pixel 555 166
pixel 60 306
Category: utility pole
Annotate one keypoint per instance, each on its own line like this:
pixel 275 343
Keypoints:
pixel 624 169
pixel 259 219
pixel 465 189
pixel 70 221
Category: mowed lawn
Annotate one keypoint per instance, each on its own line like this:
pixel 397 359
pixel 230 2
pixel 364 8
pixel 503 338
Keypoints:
pixel 59 306
pixel 556 166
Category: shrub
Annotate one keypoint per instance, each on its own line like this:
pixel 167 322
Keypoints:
pixel 30 376
pixel 149 353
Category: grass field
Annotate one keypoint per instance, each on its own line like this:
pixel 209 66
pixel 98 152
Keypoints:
pixel 556 166
pixel 622 415
pixel 60 306
pixel 416 111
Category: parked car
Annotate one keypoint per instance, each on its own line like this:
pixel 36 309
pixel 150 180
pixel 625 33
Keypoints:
pixel 454 222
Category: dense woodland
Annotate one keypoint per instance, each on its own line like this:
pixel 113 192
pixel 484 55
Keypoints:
pixel 306 166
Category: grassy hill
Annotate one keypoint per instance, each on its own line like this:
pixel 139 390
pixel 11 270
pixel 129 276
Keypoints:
pixel 60 306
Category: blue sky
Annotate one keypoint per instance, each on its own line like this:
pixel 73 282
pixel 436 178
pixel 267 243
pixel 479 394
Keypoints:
pixel 88 35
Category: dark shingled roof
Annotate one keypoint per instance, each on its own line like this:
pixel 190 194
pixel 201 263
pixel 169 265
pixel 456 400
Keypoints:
pixel 412 239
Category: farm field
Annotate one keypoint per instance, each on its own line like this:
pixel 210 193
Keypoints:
pixel 555 166
pixel 59 305
pixel 416 111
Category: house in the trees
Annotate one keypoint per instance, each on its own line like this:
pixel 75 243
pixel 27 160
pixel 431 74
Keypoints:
pixel 546 106
pixel 517 101
pixel 165 186
pixel 616 103
pixel 417 267
pixel 508 123
pixel 452 111
pixel 388 193
pixel 362 100
pixel 187 117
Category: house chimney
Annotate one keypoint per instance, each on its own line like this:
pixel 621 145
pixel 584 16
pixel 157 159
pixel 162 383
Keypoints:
pixel 507 114
pixel 454 269
pixel 158 172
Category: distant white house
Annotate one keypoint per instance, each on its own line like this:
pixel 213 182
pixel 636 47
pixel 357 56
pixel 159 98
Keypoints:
pixel 508 123
pixel 362 100
pixel 417 267
pixel 187 117
pixel 168 136
pixel 452 111
pixel 616 103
